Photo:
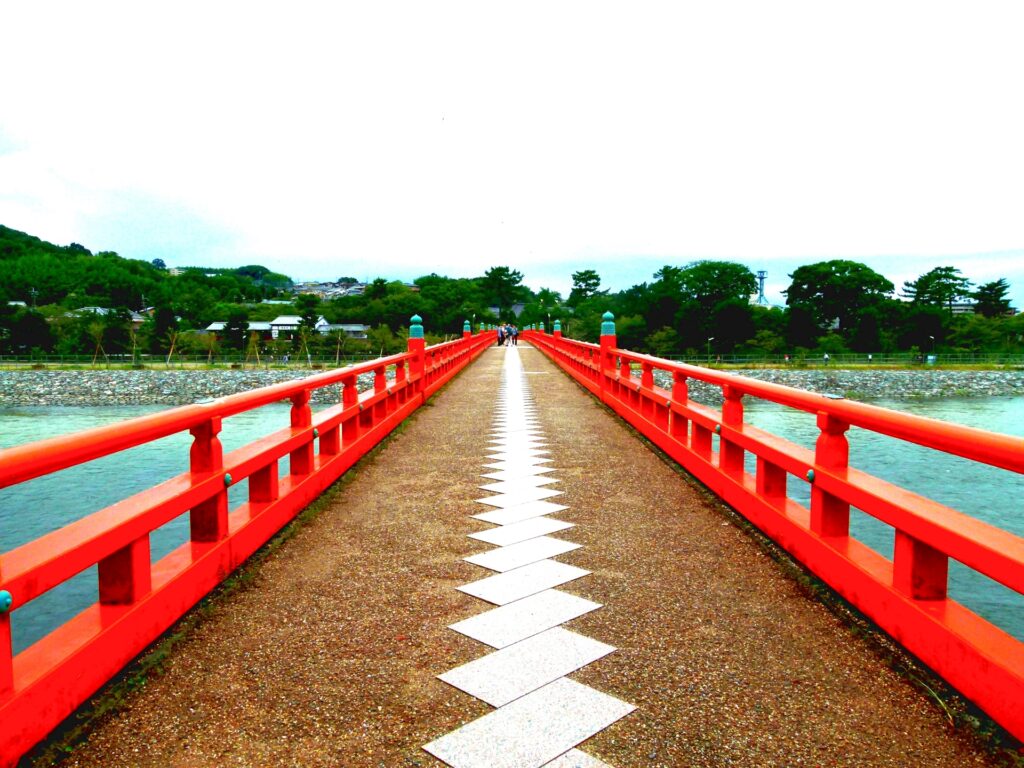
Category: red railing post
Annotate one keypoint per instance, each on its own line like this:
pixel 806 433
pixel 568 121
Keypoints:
pixel 606 363
pixel 647 382
pixel 380 384
pixel 209 520
pixel 919 571
pixel 350 400
pixel 263 484
pixel 301 459
pixel 731 454
pixel 678 424
pixel 126 575
pixel 417 346
pixel 403 394
pixel 467 332
pixel 6 649
pixel 830 515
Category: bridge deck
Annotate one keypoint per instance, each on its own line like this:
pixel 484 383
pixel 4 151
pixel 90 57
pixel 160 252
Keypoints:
pixel 329 654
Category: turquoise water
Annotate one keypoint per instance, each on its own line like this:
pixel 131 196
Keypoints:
pixel 993 495
pixel 32 509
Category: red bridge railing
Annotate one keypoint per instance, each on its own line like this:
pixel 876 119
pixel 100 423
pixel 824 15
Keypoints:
pixel 138 598
pixel 905 596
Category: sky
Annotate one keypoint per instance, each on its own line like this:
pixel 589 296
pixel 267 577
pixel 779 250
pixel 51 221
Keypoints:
pixel 398 139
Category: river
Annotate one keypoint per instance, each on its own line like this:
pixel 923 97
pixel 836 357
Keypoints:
pixel 32 509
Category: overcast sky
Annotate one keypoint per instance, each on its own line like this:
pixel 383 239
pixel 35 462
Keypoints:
pixel 398 139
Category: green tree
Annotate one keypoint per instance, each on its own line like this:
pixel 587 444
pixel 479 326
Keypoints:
pixel 991 298
pixel 308 307
pixel 503 287
pixel 942 287
pixel 836 290
pixel 236 329
pixel 585 284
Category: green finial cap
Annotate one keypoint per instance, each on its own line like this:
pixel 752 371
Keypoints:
pixel 227 478
pixel 810 475
pixel 5 601
pixel 558 325
pixel 416 329
pixel 541 326
pixel 608 324
pixel 465 326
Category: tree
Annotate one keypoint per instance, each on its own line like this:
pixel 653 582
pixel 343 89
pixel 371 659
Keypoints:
pixel 836 290
pixel 990 298
pixel 159 264
pixel 308 306
pixel 584 285
pixel 236 328
pixel 502 286
pixel 942 287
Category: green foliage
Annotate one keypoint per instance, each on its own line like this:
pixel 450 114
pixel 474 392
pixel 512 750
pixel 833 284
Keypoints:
pixel 991 298
pixel 584 286
pixel 942 287
pixel 836 290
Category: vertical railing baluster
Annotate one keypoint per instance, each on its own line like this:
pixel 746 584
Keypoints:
pixel 350 400
pixel 647 382
pixel 771 482
pixel 679 424
pixel 380 384
pixel 125 576
pixel 6 648
pixel 919 571
pixel 731 454
pixel 830 515
pixel 300 460
pixel 208 521
pixel 263 484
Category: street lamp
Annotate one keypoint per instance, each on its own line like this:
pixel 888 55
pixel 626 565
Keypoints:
pixel 710 339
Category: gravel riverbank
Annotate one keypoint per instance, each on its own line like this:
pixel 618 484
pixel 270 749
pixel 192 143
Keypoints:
pixel 179 387
pixel 147 387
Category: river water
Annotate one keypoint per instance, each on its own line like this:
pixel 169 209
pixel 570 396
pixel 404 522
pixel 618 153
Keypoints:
pixel 32 509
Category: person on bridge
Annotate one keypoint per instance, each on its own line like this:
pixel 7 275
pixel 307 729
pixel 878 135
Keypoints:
pixel 514 332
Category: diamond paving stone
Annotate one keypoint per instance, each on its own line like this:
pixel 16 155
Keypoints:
pixel 523 553
pixel 519 464
pixel 519 497
pixel 504 535
pixel 515 670
pixel 510 515
pixel 514 484
pixel 507 587
pixel 574 758
pixel 532 730
pixel 515 474
pixel 524 618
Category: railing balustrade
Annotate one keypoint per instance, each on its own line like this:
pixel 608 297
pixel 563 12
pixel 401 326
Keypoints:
pixel 907 595
pixel 138 598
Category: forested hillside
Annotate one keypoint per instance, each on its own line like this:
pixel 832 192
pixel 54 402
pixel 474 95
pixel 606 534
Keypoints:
pixel 702 307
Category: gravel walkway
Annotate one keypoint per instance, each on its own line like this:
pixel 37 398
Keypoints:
pixel 328 656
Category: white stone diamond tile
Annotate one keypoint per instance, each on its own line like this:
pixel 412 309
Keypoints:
pixel 513 452
pixel 515 670
pixel 507 587
pixel 519 497
pixel 520 463
pixel 504 535
pixel 519 484
pixel 575 758
pixel 522 553
pixel 530 427
pixel 524 618
pixel 510 515
pixel 510 474
pixel 515 445
pixel 533 730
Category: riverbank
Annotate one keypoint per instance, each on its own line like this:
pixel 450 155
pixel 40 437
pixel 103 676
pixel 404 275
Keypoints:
pixel 148 387
pixel 179 387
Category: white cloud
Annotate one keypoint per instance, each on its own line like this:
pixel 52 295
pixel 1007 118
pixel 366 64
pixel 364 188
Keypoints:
pixel 407 138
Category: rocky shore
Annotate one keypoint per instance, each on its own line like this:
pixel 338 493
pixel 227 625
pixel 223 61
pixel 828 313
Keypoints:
pixel 147 387
pixel 867 384
pixel 179 387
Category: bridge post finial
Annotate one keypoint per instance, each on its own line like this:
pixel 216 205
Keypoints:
pixel 417 348
pixel 558 329
pixel 607 356
pixel 467 330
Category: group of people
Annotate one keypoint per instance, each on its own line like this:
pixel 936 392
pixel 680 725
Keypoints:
pixel 508 334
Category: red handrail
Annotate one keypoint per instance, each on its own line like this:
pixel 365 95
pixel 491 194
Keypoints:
pixel 907 595
pixel 138 598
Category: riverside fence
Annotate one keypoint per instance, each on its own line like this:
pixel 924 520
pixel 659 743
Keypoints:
pixel 905 596
pixel 138 598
